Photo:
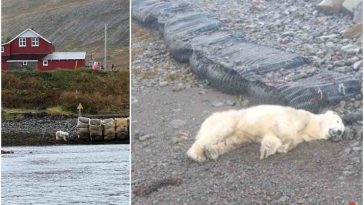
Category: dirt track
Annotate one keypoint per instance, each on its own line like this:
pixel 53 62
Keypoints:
pixel 166 114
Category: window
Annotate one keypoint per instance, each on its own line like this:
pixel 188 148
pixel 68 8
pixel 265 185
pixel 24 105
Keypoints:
pixel 25 62
pixel 35 41
pixel 2 49
pixel 22 42
pixel 45 63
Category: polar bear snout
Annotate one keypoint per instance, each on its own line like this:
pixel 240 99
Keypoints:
pixel 334 133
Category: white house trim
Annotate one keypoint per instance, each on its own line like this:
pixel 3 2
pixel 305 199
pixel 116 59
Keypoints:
pixel 20 61
pixel 27 34
pixel 45 62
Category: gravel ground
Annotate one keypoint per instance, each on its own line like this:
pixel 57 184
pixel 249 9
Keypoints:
pixel 41 131
pixel 168 106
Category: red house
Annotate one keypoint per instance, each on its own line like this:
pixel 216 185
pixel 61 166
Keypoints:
pixel 30 50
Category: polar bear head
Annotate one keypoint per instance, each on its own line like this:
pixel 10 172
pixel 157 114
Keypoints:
pixel 332 125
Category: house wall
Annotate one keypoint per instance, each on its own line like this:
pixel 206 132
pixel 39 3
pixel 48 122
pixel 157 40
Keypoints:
pixel 54 64
pixel 6 52
pixel 43 48
pixel 4 65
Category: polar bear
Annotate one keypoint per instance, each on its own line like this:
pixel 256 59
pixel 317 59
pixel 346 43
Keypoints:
pixel 60 135
pixel 276 128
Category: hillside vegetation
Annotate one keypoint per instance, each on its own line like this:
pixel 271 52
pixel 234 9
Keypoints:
pixel 99 92
pixel 73 25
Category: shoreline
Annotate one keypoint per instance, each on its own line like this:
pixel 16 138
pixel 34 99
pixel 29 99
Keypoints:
pixel 42 132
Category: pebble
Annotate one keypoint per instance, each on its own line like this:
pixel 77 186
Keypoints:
pixel 230 102
pixel 358 65
pixel 181 137
pixel 350 49
pixel 145 137
pixel 178 87
pixel 163 83
pixel 177 123
pixel 217 104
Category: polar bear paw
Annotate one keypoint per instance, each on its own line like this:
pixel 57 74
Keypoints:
pixel 211 152
pixel 196 153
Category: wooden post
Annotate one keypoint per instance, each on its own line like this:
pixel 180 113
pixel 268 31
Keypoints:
pixel 105 65
pixel 79 108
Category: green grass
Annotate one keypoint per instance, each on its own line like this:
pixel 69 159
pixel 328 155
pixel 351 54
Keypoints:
pixel 99 92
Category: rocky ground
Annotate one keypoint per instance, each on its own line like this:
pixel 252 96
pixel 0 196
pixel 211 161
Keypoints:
pixel 40 131
pixel 169 103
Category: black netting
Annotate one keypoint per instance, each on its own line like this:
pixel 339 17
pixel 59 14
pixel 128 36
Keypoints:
pixel 147 12
pixel 182 28
pixel 231 64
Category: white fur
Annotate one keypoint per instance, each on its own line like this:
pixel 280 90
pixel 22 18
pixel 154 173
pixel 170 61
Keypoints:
pixel 60 135
pixel 277 128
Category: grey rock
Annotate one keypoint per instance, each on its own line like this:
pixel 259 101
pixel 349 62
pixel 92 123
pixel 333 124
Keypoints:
pixel 217 104
pixel 163 83
pixel 145 137
pixel 328 37
pixel 350 49
pixel 177 123
pixel 358 65
pixel 358 13
pixel 231 102
pixel 178 87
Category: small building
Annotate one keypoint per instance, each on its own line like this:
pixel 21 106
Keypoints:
pixel 30 50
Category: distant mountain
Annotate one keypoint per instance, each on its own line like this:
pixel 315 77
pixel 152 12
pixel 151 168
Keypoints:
pixel 71 24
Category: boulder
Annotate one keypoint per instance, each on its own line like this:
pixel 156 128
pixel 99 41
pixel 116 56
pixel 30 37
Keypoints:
pixel 351 5
pixel 330 6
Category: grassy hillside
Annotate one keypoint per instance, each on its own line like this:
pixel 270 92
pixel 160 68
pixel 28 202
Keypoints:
pixel 73 25
pixel 99 92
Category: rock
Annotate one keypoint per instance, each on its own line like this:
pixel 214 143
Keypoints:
pixel 330 6
pixel 348 134
pixel 133 100
pixel 356 149
pixel 330 44
pixel 350 49
pixel 145 137
pixel 353 31
pixel 350 5
pixel 178 87
pixel 231 102
pixel 329 37
pixel 359 135
pixel 6 152
pixel 352 60
pixel 283 199
pixel 358 13
pixel 357 65
pixel 177 123
pixel 217 104
pixel 343 69
pixel 181 137
pixel 163 83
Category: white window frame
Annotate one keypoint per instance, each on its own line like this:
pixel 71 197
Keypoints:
pixel 35 41
pixel 45 62
pixel 22 42
pixel 2 49
pixel 25 62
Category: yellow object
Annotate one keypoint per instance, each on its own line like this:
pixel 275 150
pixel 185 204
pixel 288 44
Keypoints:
pixel 79 107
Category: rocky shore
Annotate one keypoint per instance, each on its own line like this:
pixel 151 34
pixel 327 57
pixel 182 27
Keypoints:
pixel 41 131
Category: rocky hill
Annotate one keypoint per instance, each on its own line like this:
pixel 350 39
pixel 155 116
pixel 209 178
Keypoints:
pixel 72 25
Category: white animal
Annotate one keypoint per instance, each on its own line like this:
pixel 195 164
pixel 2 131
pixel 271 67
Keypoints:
pixel 276 128
pixel 60 135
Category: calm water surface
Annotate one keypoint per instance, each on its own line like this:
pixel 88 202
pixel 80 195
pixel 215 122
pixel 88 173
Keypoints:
pixel 87 174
